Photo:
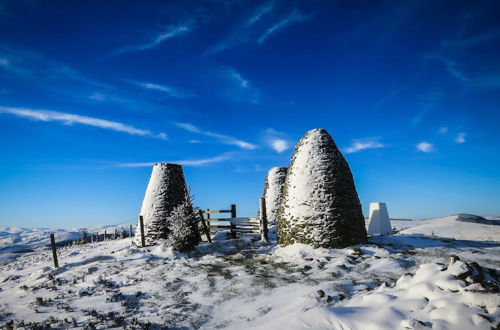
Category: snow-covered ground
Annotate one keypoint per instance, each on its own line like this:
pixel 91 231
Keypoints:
pixel 401 281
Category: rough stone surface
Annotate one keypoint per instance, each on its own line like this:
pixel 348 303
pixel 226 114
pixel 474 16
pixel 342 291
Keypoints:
pixel 166 190
pixel 320 205
pixel 273 191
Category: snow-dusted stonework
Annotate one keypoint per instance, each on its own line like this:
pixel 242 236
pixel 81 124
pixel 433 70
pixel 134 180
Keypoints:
pixel 273 190
pixel 379 223
pixel 166 190
pixel 320 205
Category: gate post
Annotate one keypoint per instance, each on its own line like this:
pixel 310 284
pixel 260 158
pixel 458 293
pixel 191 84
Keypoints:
pixel 263 220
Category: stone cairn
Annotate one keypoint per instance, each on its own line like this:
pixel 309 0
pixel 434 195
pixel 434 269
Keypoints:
pixel 166 190
pixel 273 191
pixel 320 205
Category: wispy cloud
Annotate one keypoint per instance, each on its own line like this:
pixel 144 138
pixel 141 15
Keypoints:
pixel 225 139
pixel 460 138
pixel 254 168
pixel 443 130
pixel 425 147
pixel 363 144
pixel 239 88
pixel 156 39
pixel 42 70
pixel 189 162
pixel 280 145
pixel 276 140
pixel 449 50
pixel 430 101
pixel 242 33
pixel 259 26
pixel 460 44
pixel 293 17
pixel 164 89
pixel 69 119
pixel 107 98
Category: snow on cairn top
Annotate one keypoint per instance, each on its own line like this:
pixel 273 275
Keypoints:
pixel 166 189
pixel 273 189
pixel 320 205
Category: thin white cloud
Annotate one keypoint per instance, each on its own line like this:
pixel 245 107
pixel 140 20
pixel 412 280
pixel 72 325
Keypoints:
pixel 460 44
pixel 4 62
pixel 164 89
pixel 487 81
pixel 430 101
pixel 293 17
pixel 39 69
pixel 240 89
pixel 425 147
pixel 68 119
pixel 280 145
pixel 443 130
pixel 158 38
pixel 242 33
pixel 190 162
pixel 259 14
pixel 222 138
pixel 276 140
pixel 254 168
pixel 460 138
pixel 363 144
pixel 100 97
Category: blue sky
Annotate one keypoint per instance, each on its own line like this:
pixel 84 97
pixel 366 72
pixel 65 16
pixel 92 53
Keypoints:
pixel 93 92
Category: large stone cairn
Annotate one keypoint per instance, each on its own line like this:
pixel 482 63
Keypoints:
pixel 273 191
pixel 166 190
pixel 320 205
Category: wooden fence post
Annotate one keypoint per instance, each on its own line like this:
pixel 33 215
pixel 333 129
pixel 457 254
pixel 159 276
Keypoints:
pixel 233 210
pixel 263 220
pixel 200 212
pixel 54 251
pixel 96 236
pixel 233 215
pixel 104 236
pixel 143 241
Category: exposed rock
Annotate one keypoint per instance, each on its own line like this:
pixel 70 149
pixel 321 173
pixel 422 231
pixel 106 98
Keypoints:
pixel 463 217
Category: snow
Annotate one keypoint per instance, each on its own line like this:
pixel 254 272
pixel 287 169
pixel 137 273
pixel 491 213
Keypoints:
pixel 379 222
pixel 405 280
pixel 450 227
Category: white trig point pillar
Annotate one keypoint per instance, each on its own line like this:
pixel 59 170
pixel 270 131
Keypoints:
pixel 379 222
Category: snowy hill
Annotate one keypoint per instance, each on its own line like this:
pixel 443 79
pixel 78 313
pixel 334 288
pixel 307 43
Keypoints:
pixel 401 281
pixel 15 239
pixel 453 227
